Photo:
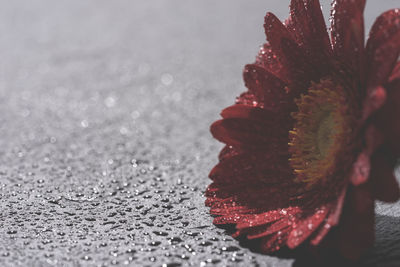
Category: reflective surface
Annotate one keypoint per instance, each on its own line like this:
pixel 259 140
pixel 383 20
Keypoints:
pixel 105 145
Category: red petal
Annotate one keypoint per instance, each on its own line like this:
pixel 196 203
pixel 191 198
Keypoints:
pixel 230 208
pixel 268 230
pixel 332 219
pixel 309 27
pixel 276 31
pixel 383 47
pixel 356 231
pixel 396 73
pixel 274 242
pixel 249 99
pixel 230 219
pixel 362 166
pixel 296 61
pixel 361 169
pixel 269 60
pixel 260 197
pixel 301 72
pixel 240 111
pixel 348 33
pixel 249 134
pixel 255 167
pixel 306 227
pixel 307 22
pixel 227 152
pixel 267 217
pixel 375 98
pixel 387 119
pixel 384 185
pixel 255 199
pixel 268 90
pixel 384 28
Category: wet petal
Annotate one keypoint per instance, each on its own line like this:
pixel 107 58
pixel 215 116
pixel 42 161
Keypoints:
pixel 248 112
pixel 274 242
pixel 348 33
pixel 306 227
pixel 270 61
pixel 275 31
pixel 270 229
pixel 268 89
pixel 396 72
pixel 308 25
pixel 332 219
pixel 255 167
pixel 242 132
pixel 227 152
pixel 301 72
pixel 268 217
pixel 387 119
pixel 375 98
pixel 361 168
pixel 383 47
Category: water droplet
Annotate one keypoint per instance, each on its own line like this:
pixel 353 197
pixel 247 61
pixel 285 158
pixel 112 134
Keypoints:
pixel 167 79
pixel 110 102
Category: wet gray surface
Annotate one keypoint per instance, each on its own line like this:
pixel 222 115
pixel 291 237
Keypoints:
pixel 105 149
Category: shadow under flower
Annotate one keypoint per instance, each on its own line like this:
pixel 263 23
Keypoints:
pixel 385 253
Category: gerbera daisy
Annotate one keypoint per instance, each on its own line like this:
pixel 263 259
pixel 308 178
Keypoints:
pixel 314 141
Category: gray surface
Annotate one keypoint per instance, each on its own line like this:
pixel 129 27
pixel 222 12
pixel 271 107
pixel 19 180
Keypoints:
pixel 105 150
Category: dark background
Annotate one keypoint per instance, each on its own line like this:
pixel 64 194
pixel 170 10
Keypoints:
pixel 105 108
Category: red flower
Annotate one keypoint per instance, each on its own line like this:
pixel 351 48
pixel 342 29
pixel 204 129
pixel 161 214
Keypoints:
pixel 314 141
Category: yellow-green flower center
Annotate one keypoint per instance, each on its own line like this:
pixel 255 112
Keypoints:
pixel 320 131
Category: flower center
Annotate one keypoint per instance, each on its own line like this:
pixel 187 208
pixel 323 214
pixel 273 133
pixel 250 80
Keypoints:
pixel 324 133
pixel 320 132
